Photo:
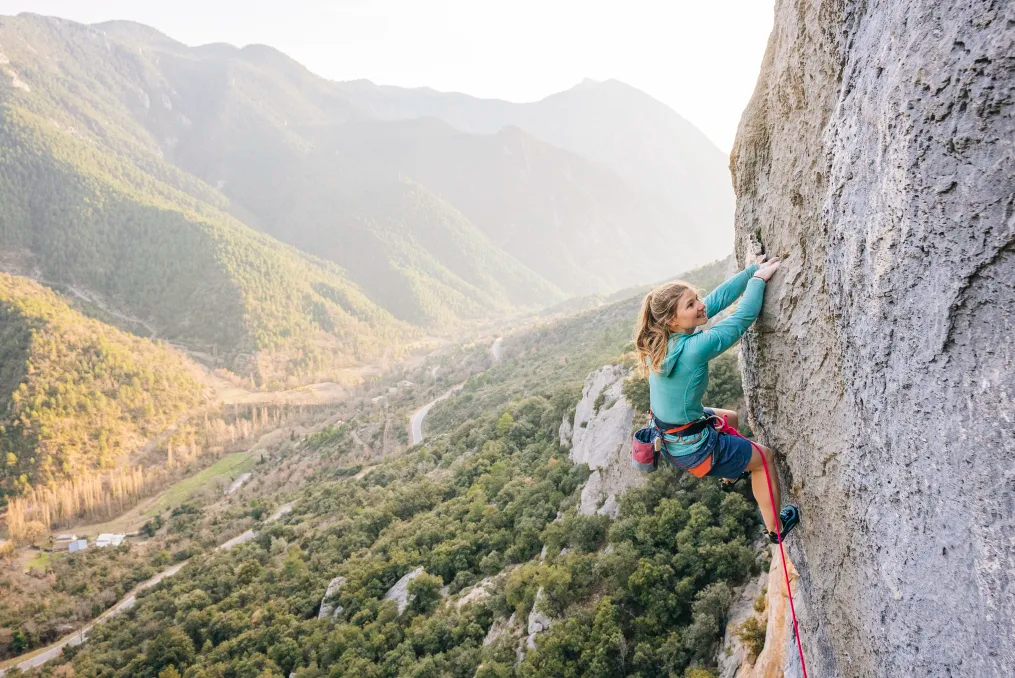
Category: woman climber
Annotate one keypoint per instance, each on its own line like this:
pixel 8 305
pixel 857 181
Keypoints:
pixel 703 441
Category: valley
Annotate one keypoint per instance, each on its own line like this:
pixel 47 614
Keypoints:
pixel 294 459
pixel 260 329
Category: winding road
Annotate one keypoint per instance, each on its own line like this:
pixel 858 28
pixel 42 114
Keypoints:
pixel 40 657
pixel 416 419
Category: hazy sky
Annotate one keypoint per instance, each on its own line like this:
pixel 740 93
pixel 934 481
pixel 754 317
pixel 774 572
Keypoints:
pixel 700 57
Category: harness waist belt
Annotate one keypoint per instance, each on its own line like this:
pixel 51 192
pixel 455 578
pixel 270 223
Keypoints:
pixel 690 429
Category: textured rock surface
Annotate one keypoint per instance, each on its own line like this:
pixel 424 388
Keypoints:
pixel 481 591
pixel 601 438
pixel 732 657
pixel 400 591
pixel 502 628
pixel 538 621
pixel 877 153
pixel 780 658
pixel 328 607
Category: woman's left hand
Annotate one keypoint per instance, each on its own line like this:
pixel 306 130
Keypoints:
pixel 767 269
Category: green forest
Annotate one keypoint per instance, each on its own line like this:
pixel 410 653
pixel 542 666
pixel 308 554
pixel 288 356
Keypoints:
pixel 474 506
pixel 644 596
pixel 77 395
pixel 90 219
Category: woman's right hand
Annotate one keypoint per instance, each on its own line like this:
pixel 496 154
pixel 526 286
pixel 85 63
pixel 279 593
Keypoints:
pixel 768 269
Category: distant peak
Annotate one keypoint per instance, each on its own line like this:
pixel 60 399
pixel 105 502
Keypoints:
pixel 610 85
pixel 134 31
pixel 218 48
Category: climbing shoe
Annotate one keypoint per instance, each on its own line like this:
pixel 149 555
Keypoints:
pixel 728 484
pixel 789 516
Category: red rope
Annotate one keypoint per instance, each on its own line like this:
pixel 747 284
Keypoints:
pixel 726 428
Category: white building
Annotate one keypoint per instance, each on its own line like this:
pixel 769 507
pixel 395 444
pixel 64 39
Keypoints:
pixel 106 539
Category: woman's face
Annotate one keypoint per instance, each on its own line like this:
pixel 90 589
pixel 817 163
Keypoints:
pixel 690 313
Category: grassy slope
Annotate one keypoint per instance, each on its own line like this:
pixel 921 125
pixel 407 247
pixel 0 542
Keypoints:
pixel 230 466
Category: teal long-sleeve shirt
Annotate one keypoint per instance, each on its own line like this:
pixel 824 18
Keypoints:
pixel 675 392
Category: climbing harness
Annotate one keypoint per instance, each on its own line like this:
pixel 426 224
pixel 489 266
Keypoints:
pixel 726 428
pixel 648 442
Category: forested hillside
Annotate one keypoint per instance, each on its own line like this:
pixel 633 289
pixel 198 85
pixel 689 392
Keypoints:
pixel 487 508
pixel 133 166
pixel 88 201
pixel 77 395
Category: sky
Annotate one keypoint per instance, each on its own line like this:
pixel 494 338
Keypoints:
pixel 699 57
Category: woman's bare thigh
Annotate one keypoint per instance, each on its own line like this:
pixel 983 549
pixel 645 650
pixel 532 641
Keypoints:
pixel 731 417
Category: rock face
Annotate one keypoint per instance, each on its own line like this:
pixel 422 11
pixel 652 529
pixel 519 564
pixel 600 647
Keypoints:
pixel 780 657
pixel 400 591
pixel 877 153
pixel 601 438
pixel 328 607
pixel 538 621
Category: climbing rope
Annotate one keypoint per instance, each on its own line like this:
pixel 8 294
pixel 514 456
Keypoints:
pixel 726 428
pixel 785 571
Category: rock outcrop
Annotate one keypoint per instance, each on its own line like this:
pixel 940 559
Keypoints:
pixel 877 154
pixel 502 628
pixel 400 591
pixel 328 606
pixel 780 657
pixel 601 438
pixel 538 621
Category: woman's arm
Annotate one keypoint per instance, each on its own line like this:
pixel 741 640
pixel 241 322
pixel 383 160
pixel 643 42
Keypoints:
pixel 724 295
pixel 713 341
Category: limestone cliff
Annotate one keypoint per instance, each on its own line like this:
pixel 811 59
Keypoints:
pixel 601 438
pixel 877 154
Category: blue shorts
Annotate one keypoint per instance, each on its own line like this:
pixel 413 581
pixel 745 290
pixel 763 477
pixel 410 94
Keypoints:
pixel 730 454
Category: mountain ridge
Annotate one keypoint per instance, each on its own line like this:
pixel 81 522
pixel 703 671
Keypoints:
pixel 216 153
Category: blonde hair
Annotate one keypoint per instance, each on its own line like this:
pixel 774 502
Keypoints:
pixel 652 335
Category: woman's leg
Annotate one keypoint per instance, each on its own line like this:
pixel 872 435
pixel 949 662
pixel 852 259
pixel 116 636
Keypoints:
pixel 733 420
pixel 760 486
pixel 731 417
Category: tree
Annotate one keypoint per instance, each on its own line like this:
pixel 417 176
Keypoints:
pixel 725 385
pixel 504 424
pixel 171 648
pixel 425 592
pixel 635 389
